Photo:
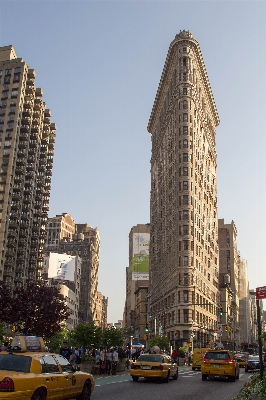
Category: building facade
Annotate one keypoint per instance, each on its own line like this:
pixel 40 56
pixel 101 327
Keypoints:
pixel 58 228
pixel 244 303
pixel 137 273
pixel 101 311
pixel 27 147
pixel 229 281
pixel 184 256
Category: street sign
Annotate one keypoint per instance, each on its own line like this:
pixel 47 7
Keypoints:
pixel 261 292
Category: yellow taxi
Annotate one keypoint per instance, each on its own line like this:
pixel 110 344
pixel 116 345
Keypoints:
pixel 154 366
pixel 219 363
pixel 241 359
pixel 197 355
pixel 28 372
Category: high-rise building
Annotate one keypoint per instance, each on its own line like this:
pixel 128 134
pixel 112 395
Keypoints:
pixel 58 228
pixel 26 155
pixel 183 291
pixel 137 275
pixel 229 259
pixel 244 311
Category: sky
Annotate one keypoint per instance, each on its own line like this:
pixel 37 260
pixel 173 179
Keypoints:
pixel 99 64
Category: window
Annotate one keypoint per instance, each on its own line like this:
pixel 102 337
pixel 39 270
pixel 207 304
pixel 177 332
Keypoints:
pixel 14 93
pixel 7 79
pixel 185 144
pixel 185 117
pixel 185 105
pixel 186 244
pixel 185 199
pixel 185 185
pixel 1 73
pixel 65 365
pixel 185 157
pixel 16 78
pixel 185 229
pixel 48 364
pixel 17 69
pixel 185 261
pixel 185 214
pixel 8 71
pixel 185 314
pixel 185 171
pixel 184 90
pixel 185 295
pixel 185 130
pixel 184 49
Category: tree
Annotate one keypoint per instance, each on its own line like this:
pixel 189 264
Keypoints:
pixel 112 337
pixel 87 335
pixel 38 310
pixel 160 341
pixel 54 343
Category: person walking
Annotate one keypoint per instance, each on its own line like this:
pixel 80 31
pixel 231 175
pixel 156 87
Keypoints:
pixel 108 361
pixel 115 361
pixel 65 351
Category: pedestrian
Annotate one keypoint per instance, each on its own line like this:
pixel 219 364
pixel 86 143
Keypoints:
pixel 4 346
pixel 73 358
pixel 108 361
pixel 65 351
pixel 174 355
pixel 133 354
pixel 114 361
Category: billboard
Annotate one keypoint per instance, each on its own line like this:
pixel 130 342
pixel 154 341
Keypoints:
pixel 140 257
pixel 61 267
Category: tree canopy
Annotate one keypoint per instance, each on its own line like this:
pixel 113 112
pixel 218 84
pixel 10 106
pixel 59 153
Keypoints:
pixel 35 309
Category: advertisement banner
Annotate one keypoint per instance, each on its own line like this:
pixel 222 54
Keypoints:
pixel 140 259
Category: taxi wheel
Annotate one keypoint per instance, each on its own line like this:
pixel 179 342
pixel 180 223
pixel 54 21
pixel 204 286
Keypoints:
pixel 39 394
pixel 204 377
pixel 193 368
pixel 86 392
pixel 135 378
pixel 175 376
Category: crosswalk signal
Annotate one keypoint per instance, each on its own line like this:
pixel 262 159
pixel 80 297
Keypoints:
pixel 147 328
pixel 221 311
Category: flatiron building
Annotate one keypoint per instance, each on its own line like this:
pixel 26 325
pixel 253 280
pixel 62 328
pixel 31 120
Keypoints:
pixel 184 288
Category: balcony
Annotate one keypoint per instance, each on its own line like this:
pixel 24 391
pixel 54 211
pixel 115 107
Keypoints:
pixel 22 144
pixel 31 74
pixel 23 233
pixel 12 233
pixel 10 261
pixel 11 243
pixel 22 153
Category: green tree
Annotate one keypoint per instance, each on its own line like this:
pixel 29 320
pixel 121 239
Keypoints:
pixel 85 335
pixel 54 343
pixel 160 341
pixel 112 337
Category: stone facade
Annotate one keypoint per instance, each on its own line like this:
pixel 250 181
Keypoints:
pixel 183 205
pixel 26 156
pixel 58 228
pixel 228 281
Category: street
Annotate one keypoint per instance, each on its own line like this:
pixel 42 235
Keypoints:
pixel 188 386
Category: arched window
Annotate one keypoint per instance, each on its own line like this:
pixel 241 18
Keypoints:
pixel 185 105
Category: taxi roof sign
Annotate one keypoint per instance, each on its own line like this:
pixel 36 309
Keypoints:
pixel 28 343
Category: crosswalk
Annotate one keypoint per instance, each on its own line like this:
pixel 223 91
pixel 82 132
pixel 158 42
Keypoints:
pixel 188 373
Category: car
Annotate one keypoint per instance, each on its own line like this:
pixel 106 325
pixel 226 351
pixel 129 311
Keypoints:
pixel 219 363
pixel 253 363
pixel 197 355
pixel 39 375
pixel 154 366
pixel 241 359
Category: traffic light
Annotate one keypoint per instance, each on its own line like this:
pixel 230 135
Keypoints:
pixel 221 311
pixel 147 328
pixel 226 328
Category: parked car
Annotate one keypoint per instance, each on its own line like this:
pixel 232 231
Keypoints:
pixel 253 363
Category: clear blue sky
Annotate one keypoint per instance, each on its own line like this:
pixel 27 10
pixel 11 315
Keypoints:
pixel 99 64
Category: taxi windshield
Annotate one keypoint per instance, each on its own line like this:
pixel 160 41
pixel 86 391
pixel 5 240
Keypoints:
pixel 12 362
pixel 217 356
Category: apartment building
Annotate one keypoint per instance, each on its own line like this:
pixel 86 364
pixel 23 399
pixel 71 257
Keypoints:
pixel 184 261
pixel 58 228
pixel 27 139
pixel 229 281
